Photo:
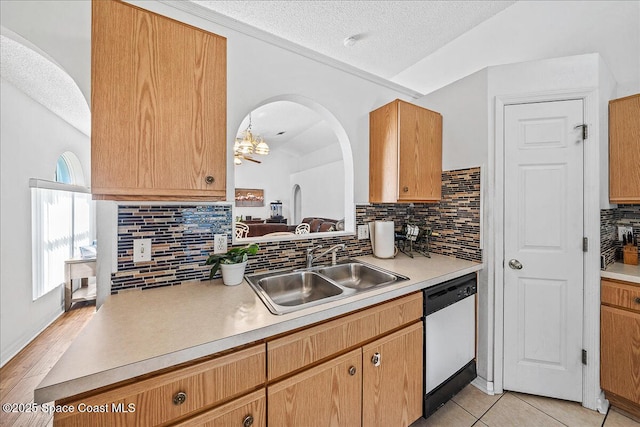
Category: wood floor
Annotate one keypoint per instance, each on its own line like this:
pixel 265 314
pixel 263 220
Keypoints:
pixel 20 376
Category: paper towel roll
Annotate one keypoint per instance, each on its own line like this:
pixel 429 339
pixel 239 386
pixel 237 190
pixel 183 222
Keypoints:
pixel 384 239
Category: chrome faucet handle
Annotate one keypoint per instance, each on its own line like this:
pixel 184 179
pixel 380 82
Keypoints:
pixel 309 250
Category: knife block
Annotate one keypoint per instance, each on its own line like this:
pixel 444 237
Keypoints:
pixel 630 254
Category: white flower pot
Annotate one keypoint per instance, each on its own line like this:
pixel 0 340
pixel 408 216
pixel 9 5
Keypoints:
pixel 232 273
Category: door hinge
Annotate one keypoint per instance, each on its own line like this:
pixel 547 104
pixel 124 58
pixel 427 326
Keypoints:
pixel 584 356
pixel 585 131
pixel 585 244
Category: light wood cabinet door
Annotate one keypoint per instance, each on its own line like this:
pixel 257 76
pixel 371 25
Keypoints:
pixel 405 154
pixel 247 411
pixel 620 353
pixel 294 351
pixel 158 107
pixel 392 379
pixel 624 150
pixel 328 395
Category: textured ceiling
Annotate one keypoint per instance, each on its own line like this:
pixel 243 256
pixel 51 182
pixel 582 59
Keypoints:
pixel 40 77
pixel 391 35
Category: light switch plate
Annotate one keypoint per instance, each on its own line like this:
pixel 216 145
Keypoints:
pixel 363 232
pixel 219 243
pixel 624 230
pixel 142 250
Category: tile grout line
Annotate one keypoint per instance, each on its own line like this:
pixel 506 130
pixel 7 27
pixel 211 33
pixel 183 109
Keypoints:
pixel 484 413
pixel 540 410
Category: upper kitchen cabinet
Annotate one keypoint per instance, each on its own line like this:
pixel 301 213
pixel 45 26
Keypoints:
pixel 158 107
pixel 405 154
pixel 624 150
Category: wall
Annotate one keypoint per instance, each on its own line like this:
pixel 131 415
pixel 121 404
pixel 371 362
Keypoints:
pixel 322 190
pixel 182 234
pixel 469 140
pixel 32 139
pixel 272 176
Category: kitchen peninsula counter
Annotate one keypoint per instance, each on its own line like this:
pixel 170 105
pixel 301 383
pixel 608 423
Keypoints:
pixel 138 332
pixel 620 271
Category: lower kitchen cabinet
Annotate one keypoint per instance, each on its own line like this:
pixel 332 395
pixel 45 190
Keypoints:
pixel 392 375
pixel 328 395
pixel 620 344
pixel 169 396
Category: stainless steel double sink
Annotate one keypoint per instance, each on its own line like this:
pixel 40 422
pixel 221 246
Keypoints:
pixel 287 291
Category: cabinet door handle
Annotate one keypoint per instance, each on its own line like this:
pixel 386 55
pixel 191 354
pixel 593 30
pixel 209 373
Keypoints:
pixel 405 189
pixel 209 179
pixel 376 359
pixel 248 421
pixel 637 300
pixel 179 398
pixel 352 370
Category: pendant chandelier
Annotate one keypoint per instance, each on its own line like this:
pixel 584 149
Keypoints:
pixel 248 144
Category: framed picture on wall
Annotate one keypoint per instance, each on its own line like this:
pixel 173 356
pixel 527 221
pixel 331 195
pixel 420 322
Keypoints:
pixel 249 197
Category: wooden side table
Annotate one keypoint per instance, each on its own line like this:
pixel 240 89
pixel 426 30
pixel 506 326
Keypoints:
pixel 79 269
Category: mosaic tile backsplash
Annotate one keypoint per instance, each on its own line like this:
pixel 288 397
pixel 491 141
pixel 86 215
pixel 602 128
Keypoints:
pixel 610 219
pixel 182 236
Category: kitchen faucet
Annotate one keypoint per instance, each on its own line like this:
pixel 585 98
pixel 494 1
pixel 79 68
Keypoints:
pixel 333 249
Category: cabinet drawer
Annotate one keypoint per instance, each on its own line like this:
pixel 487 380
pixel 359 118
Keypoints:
pixel 295 351
pixel 250 410
pixel 620 294
pixel 151 401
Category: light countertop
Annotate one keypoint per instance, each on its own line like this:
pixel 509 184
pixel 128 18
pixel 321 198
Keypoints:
pixel 620 271
pixel 138 332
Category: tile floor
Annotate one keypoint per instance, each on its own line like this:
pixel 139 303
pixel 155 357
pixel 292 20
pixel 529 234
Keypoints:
pixel 472 407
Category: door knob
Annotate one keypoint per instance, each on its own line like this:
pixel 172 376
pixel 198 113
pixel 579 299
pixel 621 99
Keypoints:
pixel 515 264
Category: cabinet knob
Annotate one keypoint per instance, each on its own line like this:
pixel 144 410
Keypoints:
pixel 179 398
pixel 248 421
pixel 376 359
pixel 637 300
pixel 405 189
pixel 352 370
pixel 209 179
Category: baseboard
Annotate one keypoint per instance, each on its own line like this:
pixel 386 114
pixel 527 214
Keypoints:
pixel 11 352
pixel 483 385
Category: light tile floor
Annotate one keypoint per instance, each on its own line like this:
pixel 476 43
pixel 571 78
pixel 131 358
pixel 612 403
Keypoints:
pixel 472 407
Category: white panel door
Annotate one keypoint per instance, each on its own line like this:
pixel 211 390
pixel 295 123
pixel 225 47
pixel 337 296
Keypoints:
pixel 543 259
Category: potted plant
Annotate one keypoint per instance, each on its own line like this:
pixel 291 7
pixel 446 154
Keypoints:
pixel 232 263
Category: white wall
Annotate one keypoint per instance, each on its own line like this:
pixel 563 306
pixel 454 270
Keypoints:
pixel 322 194
pixel 32 139
pixel 272 175
pixel 469 142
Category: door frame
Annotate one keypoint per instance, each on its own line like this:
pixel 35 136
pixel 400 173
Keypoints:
pixel 592 396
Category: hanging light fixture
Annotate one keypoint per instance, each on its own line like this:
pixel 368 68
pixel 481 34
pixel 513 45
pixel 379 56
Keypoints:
pixel 249 144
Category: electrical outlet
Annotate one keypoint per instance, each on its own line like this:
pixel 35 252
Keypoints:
pixel 363 232
pixel 624 230
pixel 141 250
pixel 219 243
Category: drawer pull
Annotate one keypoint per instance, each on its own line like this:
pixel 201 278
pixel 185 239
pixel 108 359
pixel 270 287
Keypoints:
pixel 209 179
pixel 405 189
pixel 352 370
pixel 637 300
pixel 376 359
pixel 248 421
pixel 179 398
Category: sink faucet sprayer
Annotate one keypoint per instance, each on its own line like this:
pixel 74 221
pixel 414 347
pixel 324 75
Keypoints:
pixel 333 249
